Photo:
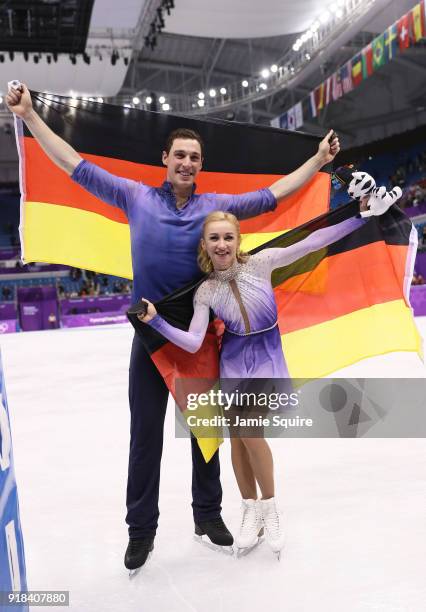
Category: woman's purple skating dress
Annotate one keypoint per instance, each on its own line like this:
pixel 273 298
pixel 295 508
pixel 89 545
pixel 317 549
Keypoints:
pixel 243 298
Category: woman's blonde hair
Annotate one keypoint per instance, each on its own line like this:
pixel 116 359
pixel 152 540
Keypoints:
pixel 204 261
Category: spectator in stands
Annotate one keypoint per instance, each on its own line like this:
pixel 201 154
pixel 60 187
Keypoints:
pixel 60 288
pixel 417 279
pixel 52 320
pixel 6 293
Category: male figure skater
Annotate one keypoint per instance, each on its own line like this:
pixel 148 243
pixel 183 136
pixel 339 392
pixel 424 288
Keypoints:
pixel 165 227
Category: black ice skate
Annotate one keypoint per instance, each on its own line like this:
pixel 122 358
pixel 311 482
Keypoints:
pixel 137 553
pixel 219 537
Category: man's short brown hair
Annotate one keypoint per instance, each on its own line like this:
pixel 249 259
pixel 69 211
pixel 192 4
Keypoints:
pixel 186 134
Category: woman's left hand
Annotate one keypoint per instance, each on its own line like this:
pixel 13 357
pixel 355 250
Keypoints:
pixel 151 312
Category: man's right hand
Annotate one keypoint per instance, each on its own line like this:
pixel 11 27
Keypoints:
pixel 19 101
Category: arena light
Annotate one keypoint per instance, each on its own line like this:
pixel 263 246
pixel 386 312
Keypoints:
pixel 200 103
pixel 274 68
pixel 212 93
pixel 161 99
pixel 166 107
pixel 223 91
pixel 148 100
pixel 263 86
pixel 201 95
pixel 307 56
pixel 245 83
pixel 265 73
pixel 324 18
pixel 136 100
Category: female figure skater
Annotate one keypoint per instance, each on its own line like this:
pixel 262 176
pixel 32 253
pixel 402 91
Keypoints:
pixel 239 291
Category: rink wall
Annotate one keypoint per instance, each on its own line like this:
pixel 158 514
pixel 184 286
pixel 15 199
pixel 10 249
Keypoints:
pixel 12 560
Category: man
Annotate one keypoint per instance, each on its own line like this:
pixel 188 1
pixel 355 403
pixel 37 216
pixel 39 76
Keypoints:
pixel 165 226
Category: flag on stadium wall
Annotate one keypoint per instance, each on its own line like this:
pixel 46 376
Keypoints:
pixel 298 113
pixel 417 22
pixel 284 121
pixel 357 70
pixel 337 91
pixel 391 42
pixel 327 89
pixel 367 61
pixel 313 104
pixel 403 28
pixel 319 97
pixel 378 46
pixel 291 119
pixel 306 108
pixel 346 77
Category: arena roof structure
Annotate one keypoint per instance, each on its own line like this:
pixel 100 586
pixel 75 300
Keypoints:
pixel 139 50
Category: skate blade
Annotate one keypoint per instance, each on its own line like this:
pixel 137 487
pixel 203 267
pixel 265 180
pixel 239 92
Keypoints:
pixel 242 552
pixel 227 550
pixel 133 573
pixel 277 553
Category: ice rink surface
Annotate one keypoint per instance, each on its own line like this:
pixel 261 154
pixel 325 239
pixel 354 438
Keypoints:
pixel 354 509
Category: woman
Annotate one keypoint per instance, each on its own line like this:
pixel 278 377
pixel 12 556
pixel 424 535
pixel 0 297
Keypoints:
pixel 238 289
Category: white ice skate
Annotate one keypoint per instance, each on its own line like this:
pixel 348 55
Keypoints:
pixel 251 528
pixel 273 524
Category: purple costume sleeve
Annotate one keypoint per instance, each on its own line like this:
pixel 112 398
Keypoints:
pixel 192 339
pixel 246 205
pixel 315 241
pixel 114 190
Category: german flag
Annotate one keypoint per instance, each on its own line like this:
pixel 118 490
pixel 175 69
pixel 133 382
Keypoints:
pixel 336 306
pixel 63 223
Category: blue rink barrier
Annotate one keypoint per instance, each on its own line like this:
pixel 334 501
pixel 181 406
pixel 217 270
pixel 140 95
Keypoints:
pixel 12 559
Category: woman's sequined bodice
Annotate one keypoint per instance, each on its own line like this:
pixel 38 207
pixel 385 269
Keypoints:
pixel 242 296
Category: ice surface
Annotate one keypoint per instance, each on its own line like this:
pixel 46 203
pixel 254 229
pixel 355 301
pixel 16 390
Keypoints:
pixel 354 508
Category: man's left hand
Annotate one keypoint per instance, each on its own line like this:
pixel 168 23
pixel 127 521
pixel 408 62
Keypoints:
pixel 327 151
